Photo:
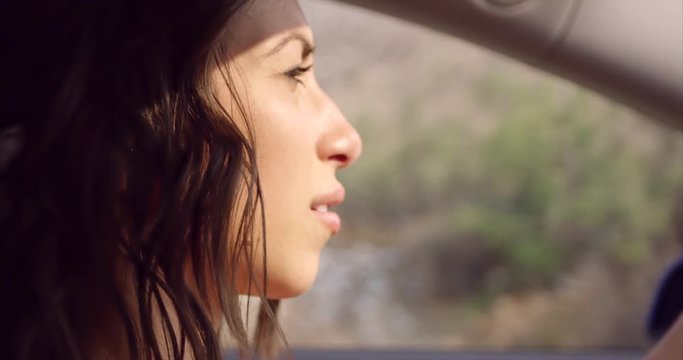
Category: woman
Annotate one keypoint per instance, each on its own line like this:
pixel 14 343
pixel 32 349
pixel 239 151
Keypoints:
pixel 158 160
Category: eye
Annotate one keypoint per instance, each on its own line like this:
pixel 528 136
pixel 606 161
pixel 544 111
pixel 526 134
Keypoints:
pixel 296 73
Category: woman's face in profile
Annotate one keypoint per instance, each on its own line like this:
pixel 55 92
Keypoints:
pixel 301 138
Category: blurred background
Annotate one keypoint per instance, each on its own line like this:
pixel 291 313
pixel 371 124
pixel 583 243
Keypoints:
pixel 494 206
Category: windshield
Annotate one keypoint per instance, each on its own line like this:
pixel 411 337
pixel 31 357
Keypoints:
pixel 496 207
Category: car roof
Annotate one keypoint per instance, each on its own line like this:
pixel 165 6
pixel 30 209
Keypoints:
pixel 630 50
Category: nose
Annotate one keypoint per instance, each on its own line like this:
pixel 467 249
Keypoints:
pixel 340 143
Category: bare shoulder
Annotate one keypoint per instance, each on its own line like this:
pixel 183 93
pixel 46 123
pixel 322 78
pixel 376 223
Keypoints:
pixel 670 347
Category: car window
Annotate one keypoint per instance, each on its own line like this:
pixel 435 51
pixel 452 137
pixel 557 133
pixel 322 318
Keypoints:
pixel 494 207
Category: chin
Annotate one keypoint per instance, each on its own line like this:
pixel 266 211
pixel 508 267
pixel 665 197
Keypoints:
pixel 293 281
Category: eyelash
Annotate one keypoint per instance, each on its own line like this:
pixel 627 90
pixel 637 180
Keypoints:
pixel 295 73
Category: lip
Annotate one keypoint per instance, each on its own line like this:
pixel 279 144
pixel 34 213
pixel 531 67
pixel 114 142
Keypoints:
pixel 331 219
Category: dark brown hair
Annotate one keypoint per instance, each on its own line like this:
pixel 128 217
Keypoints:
pixel 119 172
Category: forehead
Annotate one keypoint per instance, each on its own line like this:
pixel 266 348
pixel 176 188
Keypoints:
pixel 260 22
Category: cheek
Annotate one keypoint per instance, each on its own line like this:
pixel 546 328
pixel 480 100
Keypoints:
pixel 283 159
pixel 286 152
pixel 286 159
pixel 285 145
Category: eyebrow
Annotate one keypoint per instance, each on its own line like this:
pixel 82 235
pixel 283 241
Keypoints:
pixel 308 48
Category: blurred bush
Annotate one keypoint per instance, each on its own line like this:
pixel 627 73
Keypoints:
pixel 559 175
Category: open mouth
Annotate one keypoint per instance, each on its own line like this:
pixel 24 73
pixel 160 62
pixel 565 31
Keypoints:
pixel 321 208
